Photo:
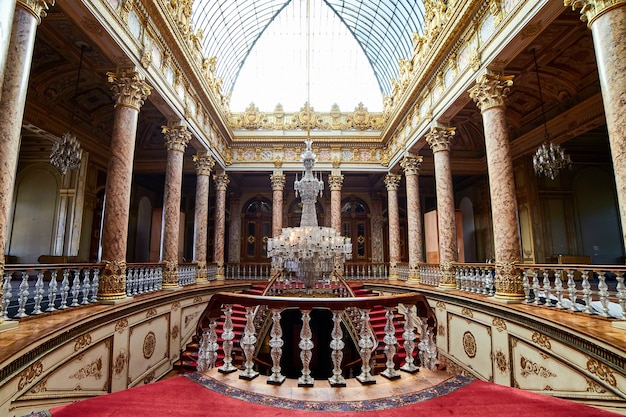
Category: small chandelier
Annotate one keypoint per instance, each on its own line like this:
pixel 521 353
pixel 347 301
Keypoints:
pixel 550 158
pixel 66 152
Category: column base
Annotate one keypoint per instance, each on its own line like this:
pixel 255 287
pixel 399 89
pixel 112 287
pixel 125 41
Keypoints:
pixel 176 288
pixel 446 287
pixel 8 325
pixel 506 300
pixel 116 301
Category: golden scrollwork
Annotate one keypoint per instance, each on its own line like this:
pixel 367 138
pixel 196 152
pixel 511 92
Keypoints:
pixel 149 378
pixel 499 324
pixel 362 119
pixel 82 342
pixel 113 280
pixel 121 324
pixel 469 344
pixel 149 344
pixel 175 332
pixel 502 362
pixel 440 305
pixel 29 374
pixel 601 371
pixel 529 367
pixel 151 312
pixel 250 119
pixel 307 118
pixel 441 330
pixel 119 363
pixel 509 283
pixel 90 370
pixel 197 299
pixel 170 274
pixel 467 312
pixel 541 340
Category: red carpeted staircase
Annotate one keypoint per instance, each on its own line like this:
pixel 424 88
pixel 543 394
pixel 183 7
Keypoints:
pixel 378 321
pixel 188 361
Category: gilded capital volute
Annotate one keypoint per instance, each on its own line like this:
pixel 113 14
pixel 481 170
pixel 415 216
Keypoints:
pixel 335 181
pixel 38 8
pixel 176 137
pixel 129 88
pixel 490 90
pixel 278 180
pixel 411 164
pixel 221 181
pixel 591 9
pixel 392 181
pixel 204 163
pixel 439 138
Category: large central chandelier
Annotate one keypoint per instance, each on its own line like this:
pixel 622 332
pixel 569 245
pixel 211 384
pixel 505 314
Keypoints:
pixel 311 252
pixel 549 158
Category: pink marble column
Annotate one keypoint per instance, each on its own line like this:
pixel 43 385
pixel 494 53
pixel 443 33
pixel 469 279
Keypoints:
pixel 335 182
pixel 439 139
pixel 129 91
pixel 221 183
pixel 6 23
pixel 278 185
pixel 26 18
pixel 234 230
pixel 489 94
pixel 392 181
pixel 176 139
pixel 411 166
pixel 607 20
pixel 204 165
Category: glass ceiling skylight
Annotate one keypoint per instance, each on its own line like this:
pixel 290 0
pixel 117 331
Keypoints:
pixel 363 41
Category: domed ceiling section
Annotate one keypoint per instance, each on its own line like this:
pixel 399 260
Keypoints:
pixel 381 31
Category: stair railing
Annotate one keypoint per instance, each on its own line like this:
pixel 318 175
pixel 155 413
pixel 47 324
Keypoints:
pixel 415 305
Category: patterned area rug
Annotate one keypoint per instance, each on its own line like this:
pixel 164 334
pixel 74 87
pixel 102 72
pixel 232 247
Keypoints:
pixel 443 388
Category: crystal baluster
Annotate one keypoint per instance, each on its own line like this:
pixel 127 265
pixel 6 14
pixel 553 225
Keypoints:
pixel 427 347
pixel 390 345
pixel 52 291
pixel 571 289
pixel 603 293
pixel 366 344
pixel 23 296
pixel 95 285
pixel 558 288
pixel 39 291
pixel 247 343
pixel 536 286
pixel 547 289
pixel 65 289
pixel 75 288
pixel 337 345
pixel 86 286
pixel 228 335
pixel 203 363
pixel 306 346
pixel 409 340
pixel 276 345
pixel 621 293
pixel 587 292
pixel 6 295
pixel 526 286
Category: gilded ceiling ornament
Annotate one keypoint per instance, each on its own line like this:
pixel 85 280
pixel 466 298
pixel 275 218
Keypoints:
pixel 591 9
pixel 125 8
pixel 307 119
pixel 474 61
pixel 436 16
pixel 496 11
pixel 146 57
pixel 251 119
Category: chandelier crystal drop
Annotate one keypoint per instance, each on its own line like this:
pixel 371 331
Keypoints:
pixel 66 153
pixel 549 159
pixel 310 252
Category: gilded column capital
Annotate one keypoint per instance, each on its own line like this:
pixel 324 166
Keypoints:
pixel 490 90
pixel 591 9
pixel 170 274
pixel 392 181
pixel 439 138
pixel 204 164
pixel 112 285
pixel 176 137
pixel 221 181
pixel 38 8
pixel 278 181
pixel 411 164
pixel 447 278
pixel 129 88
pixel 335 182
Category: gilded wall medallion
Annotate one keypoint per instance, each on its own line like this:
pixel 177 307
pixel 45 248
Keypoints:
pixel 469 344
pixel 149 342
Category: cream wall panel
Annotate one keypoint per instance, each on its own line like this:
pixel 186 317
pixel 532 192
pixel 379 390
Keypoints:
pixel 470 342
pixel 188 321
pixel 148 347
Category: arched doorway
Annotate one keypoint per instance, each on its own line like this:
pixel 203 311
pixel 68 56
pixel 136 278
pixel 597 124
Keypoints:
pixel 355 224
pixel 256 229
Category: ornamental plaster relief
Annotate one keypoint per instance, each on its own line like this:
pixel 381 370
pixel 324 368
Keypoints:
pixel 148 347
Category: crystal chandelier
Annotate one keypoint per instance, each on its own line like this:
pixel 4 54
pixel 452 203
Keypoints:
pixel 309 251
pixel 549 158
pixel 66 152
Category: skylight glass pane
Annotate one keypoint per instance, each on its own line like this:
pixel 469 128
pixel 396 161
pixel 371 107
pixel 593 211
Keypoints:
pixel 275 71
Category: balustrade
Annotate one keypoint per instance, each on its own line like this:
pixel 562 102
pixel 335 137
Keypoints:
pixel 29 290
pixel 221 305
pixel 143 278
pixel 248 271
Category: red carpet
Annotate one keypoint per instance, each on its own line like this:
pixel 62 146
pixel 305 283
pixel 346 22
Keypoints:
pixel 181 396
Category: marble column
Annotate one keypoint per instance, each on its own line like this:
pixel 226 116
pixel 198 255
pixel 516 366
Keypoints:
pixel 176 139
pixel 392 181
pixel 278 185
pixel 18 42
pixel 489 94
pixel 411 166
pixel 6 23
pixel 335 182
pixel 204 164
pixel 234 229
pixel 221 183
pixel 607 20
pixel 439 139
pixel 129 92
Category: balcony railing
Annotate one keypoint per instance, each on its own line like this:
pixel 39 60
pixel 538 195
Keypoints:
pixel 29 290
pixel 414 307
pixel 248 271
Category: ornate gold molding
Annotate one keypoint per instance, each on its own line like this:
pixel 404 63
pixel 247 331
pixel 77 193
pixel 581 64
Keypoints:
pixel 129 88
pixel 170 274
pixel 221 181
pixel 592 9
pixel 335 181
pixel 508 282
pixel 392 181
pixel 113 281
pixel 278 180
pixel 490 90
